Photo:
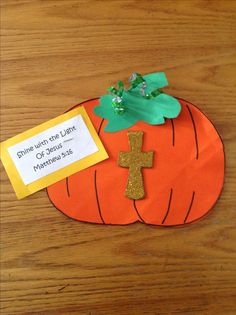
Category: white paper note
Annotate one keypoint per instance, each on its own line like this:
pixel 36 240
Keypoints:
pixel 52 149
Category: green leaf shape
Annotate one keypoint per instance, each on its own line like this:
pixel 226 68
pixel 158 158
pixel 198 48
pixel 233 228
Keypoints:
pixel 154 81
pixel 152 111
pixel 116 122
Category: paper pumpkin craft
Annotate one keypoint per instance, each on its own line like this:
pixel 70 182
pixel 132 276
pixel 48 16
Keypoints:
pixel 167 174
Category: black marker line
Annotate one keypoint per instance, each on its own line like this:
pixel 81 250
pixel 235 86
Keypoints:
pixel 100 126
pixel 68 140
pixel 67 186
pixel 96 192
pixel 138 212
pixel 195 130
pixel 168 209
pixel 190 206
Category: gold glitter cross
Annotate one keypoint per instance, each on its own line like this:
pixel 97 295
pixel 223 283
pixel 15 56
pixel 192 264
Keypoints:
pixel 135 160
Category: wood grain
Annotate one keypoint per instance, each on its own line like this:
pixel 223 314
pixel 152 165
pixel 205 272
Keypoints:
pixel 58 53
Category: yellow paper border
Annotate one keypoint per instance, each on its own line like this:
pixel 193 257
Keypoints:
pixel 23 190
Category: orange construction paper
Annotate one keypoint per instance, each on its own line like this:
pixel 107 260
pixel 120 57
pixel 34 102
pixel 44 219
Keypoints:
pixel 182 186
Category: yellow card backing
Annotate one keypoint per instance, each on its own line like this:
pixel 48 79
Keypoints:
pixel 22 190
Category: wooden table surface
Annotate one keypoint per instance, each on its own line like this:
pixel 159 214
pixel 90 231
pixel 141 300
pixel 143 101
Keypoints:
pixel 58 53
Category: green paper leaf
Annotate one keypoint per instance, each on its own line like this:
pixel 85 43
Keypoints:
pixel 152 111
pixel 116 122
pixel 154 81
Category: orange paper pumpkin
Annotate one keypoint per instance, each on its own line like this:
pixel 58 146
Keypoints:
pixel 182 186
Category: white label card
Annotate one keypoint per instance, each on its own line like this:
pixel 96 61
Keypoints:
pixel 52 149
